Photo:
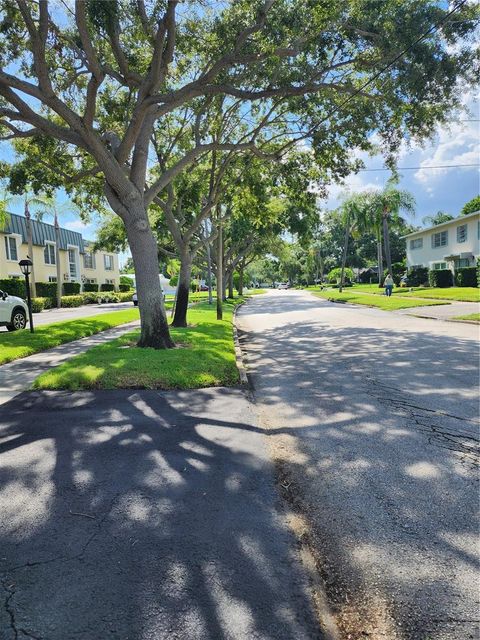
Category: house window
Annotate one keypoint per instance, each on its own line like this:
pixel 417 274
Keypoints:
pixel 11 248
pixel 108 262
pixel 72 263
pixel 440 239
pixel 49 254
pixel 109 281
pixel 462 231
pixel 91 280
pixel 52 278
pixel 417 243
pixel 89 260
pixel 439 265
pixel 462 262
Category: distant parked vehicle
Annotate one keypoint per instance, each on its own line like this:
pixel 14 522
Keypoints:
pixel 282 285
pixel 135 299
pixel 13 312
pixel 203 287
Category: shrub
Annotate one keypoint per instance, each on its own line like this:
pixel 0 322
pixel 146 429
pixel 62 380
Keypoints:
pixel 126 280
pixel 38 304
pixel 72 301
pixel 14 287
pixel 173 281
pixel 71 288
pixel 466 277
pixel 108 296
pixel 125 297
pixel 335 274
pixel 478 272
pixel 46 289
pixel 124 287
pixel 107 287
pixel 440 278
pixel 90 286
pixel 417 276
pixel 90 297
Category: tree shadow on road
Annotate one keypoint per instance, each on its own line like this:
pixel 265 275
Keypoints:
pixel 143 515
pixel 383 468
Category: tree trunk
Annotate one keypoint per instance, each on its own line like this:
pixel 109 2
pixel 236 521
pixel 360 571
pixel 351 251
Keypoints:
pixel 380 258
pixel 57 260
pixel 386 243
pixel 240 280
pixel 209 273
pixel 183 291
pixel 153 319
pixel 28 223
pixel 219 266
pixel 230 285
pixel 344 255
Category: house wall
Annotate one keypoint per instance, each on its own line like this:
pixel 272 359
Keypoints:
pixel 427 255
pixel 43 271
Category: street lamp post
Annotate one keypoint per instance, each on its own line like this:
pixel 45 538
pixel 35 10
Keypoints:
pixel 26 268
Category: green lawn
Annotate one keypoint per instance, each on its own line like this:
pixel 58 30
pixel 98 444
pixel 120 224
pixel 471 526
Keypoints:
pixel 463 294
pixel 471 316
pixel 204 357
pixel 19 344
pixel 382 302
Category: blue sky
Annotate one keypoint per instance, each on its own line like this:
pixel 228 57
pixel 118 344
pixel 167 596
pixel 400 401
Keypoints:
pixel 434 189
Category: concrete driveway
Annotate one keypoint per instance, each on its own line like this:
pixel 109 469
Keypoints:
pixel 373 422
pixel 141 515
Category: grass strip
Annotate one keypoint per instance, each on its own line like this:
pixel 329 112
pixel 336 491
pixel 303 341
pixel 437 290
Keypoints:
pixel 475 317
pixel 381 302
pixel 461 294
pixel 204 357
pixel 20 344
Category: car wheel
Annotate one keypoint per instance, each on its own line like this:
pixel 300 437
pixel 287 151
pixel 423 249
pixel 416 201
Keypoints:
pixel 19 320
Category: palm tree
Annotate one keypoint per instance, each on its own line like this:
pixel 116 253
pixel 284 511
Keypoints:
pixel 354 215
pixel 390 202
pixel 30 202
pixel 53 209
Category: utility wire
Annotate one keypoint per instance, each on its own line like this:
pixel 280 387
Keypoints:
pixel 439 166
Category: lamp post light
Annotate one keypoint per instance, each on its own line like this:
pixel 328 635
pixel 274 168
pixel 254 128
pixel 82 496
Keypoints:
pixel 26 268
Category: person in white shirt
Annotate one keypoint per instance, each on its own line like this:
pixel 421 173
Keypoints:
pixel 388 284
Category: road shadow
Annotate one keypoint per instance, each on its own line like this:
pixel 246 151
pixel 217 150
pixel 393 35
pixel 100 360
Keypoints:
pixel 143 515
pixel 383 467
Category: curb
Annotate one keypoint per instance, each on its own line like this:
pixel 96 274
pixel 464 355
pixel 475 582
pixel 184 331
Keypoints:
pixel 242 371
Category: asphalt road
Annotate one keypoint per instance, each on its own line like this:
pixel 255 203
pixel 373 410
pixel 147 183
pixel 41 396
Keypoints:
pixel 373 422
pixel 142 515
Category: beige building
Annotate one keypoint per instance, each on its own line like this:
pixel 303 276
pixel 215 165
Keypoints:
pixel 78 263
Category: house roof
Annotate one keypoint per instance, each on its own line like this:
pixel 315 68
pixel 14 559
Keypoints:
pixel 443 224
pixel 43 232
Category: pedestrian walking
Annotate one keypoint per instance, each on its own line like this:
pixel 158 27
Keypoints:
pixel 388 284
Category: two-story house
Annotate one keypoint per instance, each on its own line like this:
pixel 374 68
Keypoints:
pixel 449 245
pixel 78 263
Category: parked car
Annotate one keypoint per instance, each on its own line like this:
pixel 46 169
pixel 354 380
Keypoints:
pixel 282 285
pixel 135 299
pixel 13 312
pixel 203 287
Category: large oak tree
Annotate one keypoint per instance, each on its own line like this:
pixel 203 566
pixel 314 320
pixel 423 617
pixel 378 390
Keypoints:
pixel 88 81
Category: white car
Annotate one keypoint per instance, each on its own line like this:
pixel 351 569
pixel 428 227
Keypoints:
pixel 282 285
pixel 13 312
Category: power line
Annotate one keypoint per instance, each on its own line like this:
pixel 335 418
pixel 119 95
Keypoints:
pixel 439 166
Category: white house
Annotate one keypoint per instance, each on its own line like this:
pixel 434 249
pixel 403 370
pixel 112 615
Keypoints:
pixel 449 245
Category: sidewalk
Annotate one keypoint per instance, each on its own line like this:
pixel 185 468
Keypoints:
pixel 18 376
pixel 442 312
